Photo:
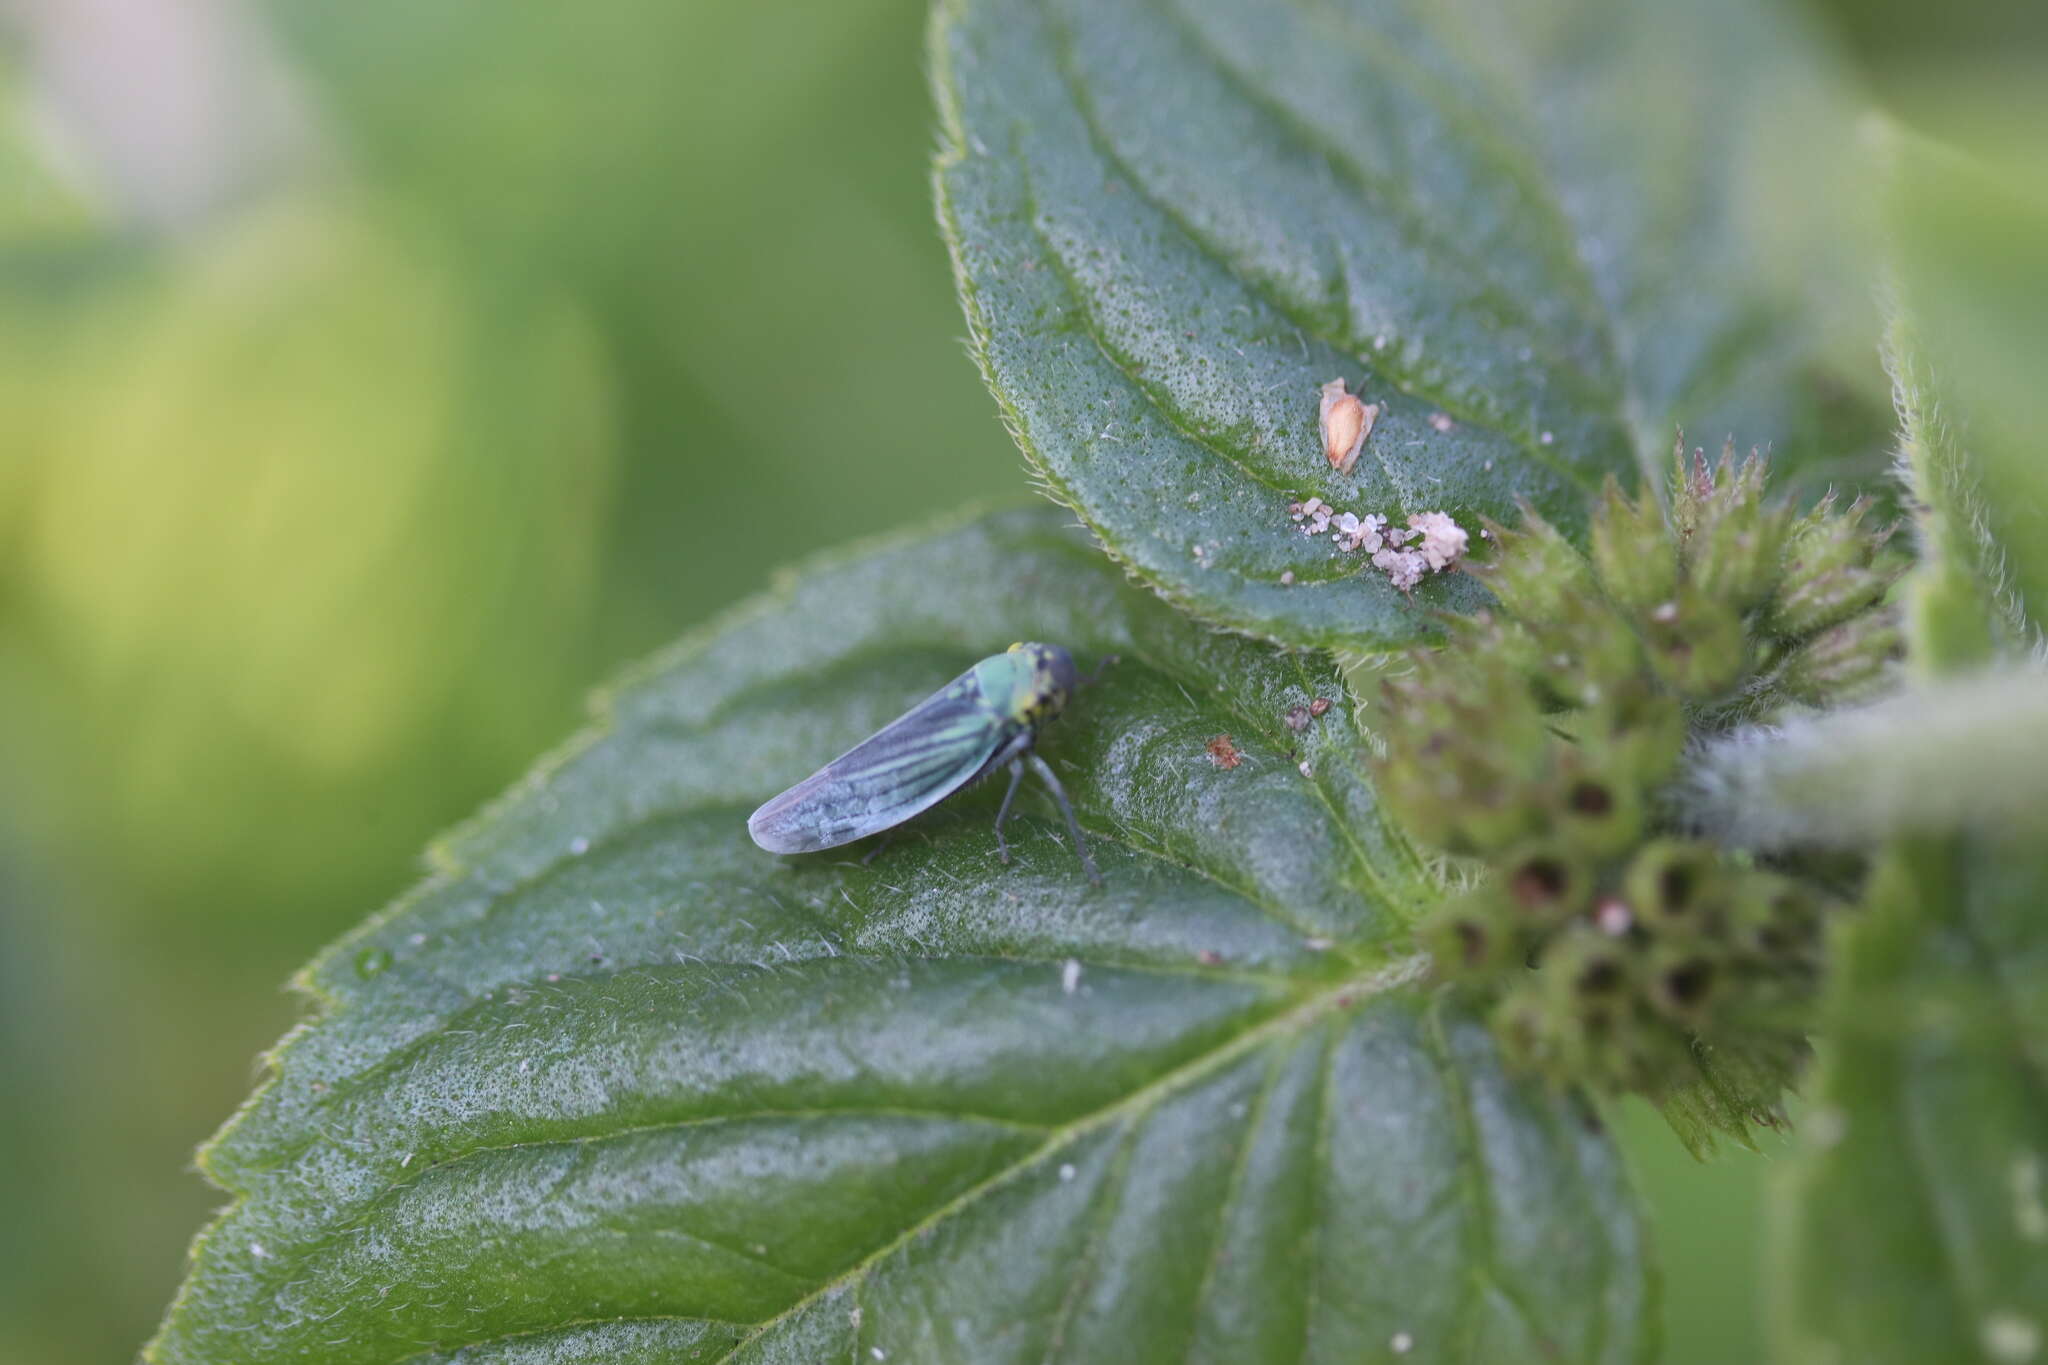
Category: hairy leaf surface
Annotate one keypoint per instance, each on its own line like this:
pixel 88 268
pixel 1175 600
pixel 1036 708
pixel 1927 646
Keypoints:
pixel 1517 229
pixel 616 1085
pixel 1970 321
pixel 1914 1225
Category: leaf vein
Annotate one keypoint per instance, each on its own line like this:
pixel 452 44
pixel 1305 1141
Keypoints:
pixel 1233 1188
pixel 1521 431
pixel 1390 977
pixel 1106 1201
pixel 1496 299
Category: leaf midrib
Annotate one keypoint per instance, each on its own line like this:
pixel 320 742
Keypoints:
pixel 1344 995
pixel 1526 439
pixel 1346 950
pixel 1496 297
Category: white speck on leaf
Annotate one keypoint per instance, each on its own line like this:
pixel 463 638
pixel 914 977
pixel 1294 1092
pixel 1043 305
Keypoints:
pixel 1401 1344
pixel 1070 976
pixel 1318 945
pixel 579 846
pixel 1067 1171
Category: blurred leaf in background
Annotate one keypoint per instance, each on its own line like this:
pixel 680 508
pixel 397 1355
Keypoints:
pixel 1919 1232
pixel 299 490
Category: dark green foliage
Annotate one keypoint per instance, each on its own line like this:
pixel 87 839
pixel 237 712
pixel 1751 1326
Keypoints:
pixel 1514 228
pixel 615 1084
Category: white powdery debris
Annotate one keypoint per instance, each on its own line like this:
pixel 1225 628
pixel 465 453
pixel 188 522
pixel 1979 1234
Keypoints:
pixel 1315 514
pixel 1438 542
pixel 1403 568
pixel 1360 533
pixel 1443 540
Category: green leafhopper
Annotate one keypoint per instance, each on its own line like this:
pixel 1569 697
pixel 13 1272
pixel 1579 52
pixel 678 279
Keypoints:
pixel 986 718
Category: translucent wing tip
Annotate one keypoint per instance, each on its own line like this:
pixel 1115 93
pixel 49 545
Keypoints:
pixel 789 822
pixel 770 830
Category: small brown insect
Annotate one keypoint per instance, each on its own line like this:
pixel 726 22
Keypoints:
pixel 1297 718
pixel 1320 706
pixel 1223 752
pixel 1347 421
pixel 1441 421
pixel 1209 957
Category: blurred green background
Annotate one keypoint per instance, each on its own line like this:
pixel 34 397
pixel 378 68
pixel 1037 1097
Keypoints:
pixel 374 379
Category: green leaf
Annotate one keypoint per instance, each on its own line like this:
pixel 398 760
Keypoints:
pixel 614 1084
pixel 1913 1225
pixel 1173 220
pixel 1971 321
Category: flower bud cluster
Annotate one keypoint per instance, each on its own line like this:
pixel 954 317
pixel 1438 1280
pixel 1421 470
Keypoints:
pixel 1541 737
